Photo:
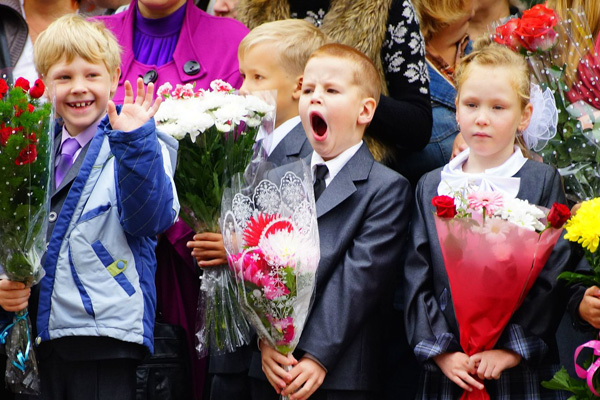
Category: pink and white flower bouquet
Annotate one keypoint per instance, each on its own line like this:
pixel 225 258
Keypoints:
pixel 272 241
pixel 494 249
pixel 216 132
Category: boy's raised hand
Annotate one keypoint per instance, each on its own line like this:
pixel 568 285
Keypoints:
pixel 307 376
pixel 208 249
pixel 458 368
pixel 14 296
pixel 136 113
pixel 273 363
pixel 491 363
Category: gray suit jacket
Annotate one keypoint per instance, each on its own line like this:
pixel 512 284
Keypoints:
pixel 363 220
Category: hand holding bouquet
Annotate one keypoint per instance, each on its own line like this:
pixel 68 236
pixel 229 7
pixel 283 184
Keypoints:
pixel 216 131
pixel 493 248
pixel 25 161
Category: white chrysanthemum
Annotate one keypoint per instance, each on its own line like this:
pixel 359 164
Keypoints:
pixel 255 104
pixel 233 112
pixel 522 213
pixel 282 248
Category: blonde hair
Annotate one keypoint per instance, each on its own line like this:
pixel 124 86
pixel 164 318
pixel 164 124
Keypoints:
pixel 365 74
pixel 572 55
pixel 72 35
pixel 293 39
pixel 487 53
pixel 435 15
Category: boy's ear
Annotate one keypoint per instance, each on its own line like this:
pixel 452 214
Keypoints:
pixel 114 83
pixel 298 91
pixel 525 117
pixel 367 110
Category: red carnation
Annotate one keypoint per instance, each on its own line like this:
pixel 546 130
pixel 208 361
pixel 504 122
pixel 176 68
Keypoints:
pixel 38 89
pixel 23 84
pixel 27 155
pixel 3 87
pixel 444 206
pixel 558 215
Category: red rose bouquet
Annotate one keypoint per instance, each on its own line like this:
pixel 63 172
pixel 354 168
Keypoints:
pixel 487 276
pixel 25 161
pixel 562 57
pixel 272 241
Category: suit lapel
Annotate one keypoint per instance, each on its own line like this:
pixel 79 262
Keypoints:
pixel 290 145
pixel 343 185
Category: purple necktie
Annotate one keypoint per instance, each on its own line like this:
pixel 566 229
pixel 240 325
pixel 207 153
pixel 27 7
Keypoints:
pixel 68 150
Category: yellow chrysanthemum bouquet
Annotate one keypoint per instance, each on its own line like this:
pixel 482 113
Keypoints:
pixel 584 228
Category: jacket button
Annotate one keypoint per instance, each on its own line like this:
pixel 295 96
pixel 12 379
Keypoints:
pixel 120 265
pixel 52 216
pixel 150 77
pixel 191 67
pixel 38 340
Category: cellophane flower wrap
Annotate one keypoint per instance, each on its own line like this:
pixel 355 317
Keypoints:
pixel 269 225
pixel 216 130
pixel 562 56
pixel 26 128
pixel 494 249
pixel 583 228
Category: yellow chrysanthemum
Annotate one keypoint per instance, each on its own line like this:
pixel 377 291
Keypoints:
pixel 584 226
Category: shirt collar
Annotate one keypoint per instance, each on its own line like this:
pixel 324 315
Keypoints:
pixel 454 180
pixel 271 140
pixel 334 165
pixel 84 136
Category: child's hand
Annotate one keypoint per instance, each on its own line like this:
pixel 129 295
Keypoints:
pixel 589 308
pixel 459 145
pixel 14 296
pixel 307 377
pixel 491 363
pixel 208 249
pixel 273 363
pixel 134 114
pixel 458 368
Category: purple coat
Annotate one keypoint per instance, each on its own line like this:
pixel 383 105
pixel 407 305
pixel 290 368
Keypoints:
pixel 206 50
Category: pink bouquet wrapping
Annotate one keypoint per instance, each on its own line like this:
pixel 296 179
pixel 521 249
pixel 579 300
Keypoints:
pixel 492 260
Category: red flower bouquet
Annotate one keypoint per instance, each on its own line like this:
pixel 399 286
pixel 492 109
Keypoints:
pixel 488 278
pixel 25 157
pixel 562 57
pixel 272 241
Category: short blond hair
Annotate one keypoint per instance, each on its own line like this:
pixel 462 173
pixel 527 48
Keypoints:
pixel 72 35
pixel 364 72
pixel 435 15
pixel 293 39
pixel 487 53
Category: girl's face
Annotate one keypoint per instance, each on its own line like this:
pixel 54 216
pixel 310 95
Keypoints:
pixel 159 8
pixel 489 112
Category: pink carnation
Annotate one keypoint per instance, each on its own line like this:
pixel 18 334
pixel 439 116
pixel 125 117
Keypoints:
pixel 183 91
pixel 220 86
pixel 489 201
pixel 164 90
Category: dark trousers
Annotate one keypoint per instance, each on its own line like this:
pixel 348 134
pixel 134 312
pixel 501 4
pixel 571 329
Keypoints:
pixel 82 380
pixel 230 386
pixel 262 390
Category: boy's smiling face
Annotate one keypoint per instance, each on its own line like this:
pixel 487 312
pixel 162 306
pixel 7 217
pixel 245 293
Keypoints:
pixel 333 108
pixel 82 90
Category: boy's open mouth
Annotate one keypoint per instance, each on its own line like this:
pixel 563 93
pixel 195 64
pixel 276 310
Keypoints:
pixel 319 126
